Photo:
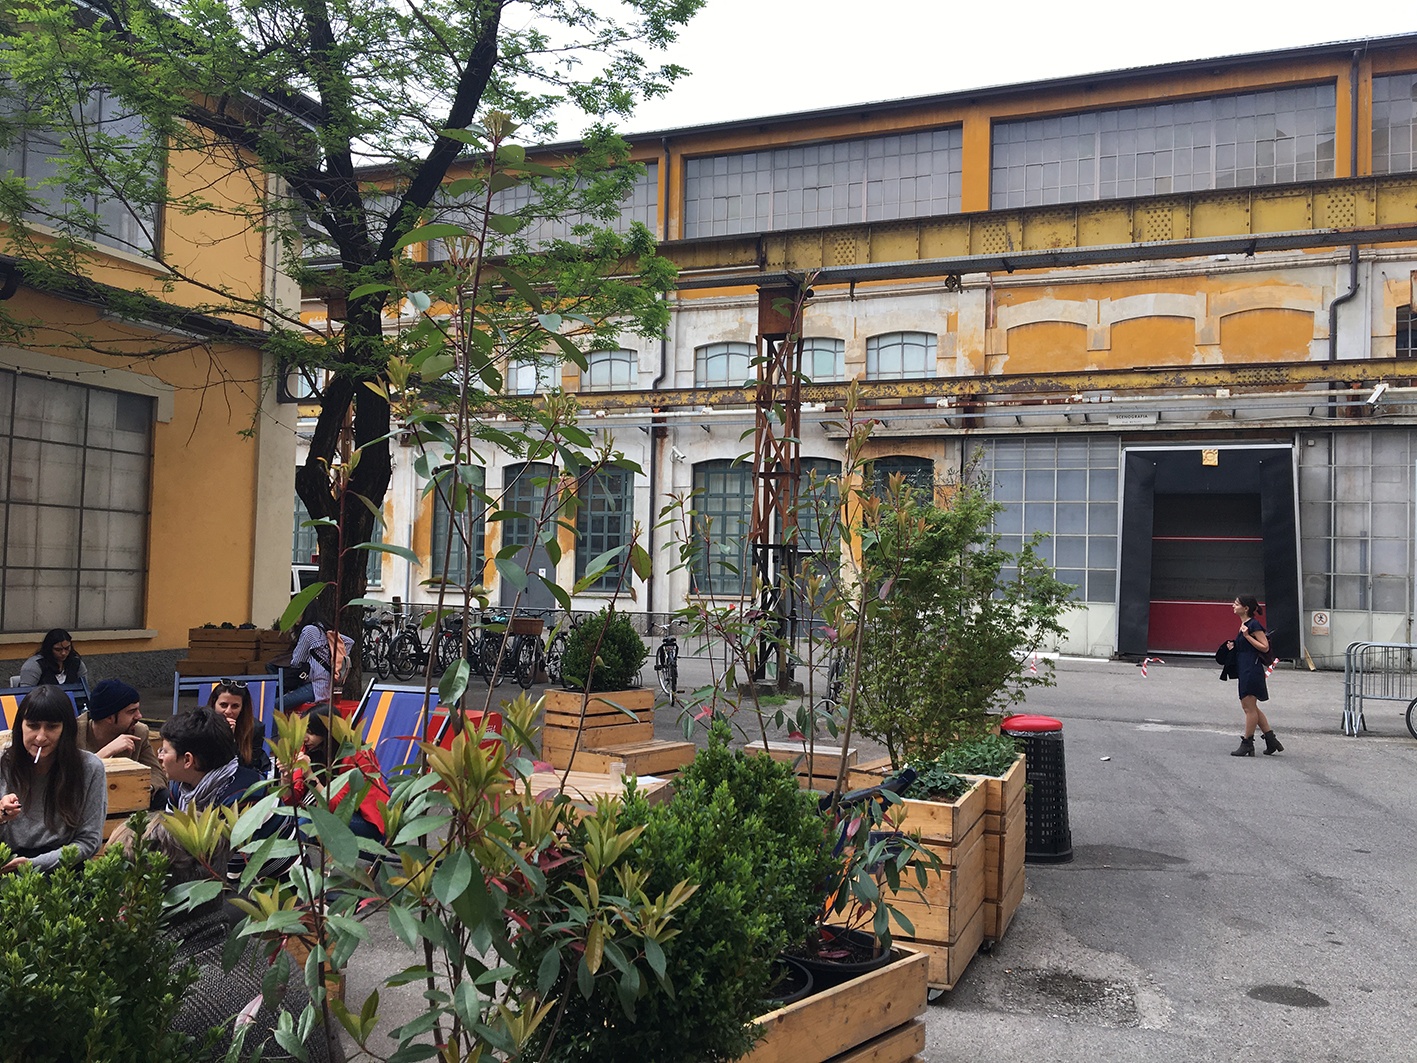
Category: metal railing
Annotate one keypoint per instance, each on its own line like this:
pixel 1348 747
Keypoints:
pixel 1376 671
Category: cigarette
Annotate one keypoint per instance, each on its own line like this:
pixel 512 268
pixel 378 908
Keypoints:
pixel 37 750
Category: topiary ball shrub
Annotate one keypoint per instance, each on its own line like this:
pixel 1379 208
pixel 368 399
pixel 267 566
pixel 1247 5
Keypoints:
pixel 740 827
pixel 621 654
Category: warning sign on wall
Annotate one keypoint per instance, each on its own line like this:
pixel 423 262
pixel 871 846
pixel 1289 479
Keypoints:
pixel 1318 623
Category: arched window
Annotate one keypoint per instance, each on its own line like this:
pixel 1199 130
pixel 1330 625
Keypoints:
pixel 900 356
pixel 530 377
pixel 611 371
pixel 723 497
pixel 605 521
pixel 919 474
pixel 721 365
pixel 823 359
pixel 468 521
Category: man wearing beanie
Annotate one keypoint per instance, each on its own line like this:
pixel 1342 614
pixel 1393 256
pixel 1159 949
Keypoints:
pixel 111 729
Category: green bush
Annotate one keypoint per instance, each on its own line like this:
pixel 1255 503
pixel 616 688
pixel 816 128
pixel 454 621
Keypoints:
pixel 85 972
pixel 622 653
pixel 989 754
pixel 740 827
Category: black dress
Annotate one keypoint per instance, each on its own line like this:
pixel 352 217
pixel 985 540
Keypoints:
pixel 1250 670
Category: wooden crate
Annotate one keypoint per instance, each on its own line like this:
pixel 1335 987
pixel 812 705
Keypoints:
pixel 234 636
pixel 595 737
pixel 872 1018
pixel 568 703
pixel 1003 858
pixel 129 786
pixel 1001 792
pixel 868 773
pixel 216 651
pixel 999 914
pixel 654 757
pixel 948 962
pixel 953 895
pixel 196 666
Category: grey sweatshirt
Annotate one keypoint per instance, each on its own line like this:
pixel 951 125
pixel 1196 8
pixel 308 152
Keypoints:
pixel 28 833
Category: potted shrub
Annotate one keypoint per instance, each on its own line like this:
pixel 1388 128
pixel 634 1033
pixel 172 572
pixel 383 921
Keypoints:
pixel 604 716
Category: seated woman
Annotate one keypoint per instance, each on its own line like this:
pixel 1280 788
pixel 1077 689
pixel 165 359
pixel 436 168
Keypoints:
pixel 199 755
pixel 321 763
pixel 56 662
pixel 54 793
pixel 321 655
pixel 231 699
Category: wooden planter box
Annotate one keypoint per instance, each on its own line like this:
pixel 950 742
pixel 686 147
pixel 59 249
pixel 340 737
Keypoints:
pixel 949 919
pixel 130 789
pixel 826 758
pixel 1005 837
pixel 874 1018
pixel 608 736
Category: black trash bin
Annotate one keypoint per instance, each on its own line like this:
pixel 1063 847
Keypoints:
pixel 1050 840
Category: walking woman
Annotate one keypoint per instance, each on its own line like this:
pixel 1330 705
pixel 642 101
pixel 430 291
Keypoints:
pixel 1249 643
pixel 52 793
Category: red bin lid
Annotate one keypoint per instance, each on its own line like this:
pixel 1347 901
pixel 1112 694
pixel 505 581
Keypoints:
pixel 1030 723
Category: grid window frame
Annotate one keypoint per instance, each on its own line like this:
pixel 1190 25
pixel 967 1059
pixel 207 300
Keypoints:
pixel 919 474
pixel 714 364
pixel 76 509
pixel 611 370
pixel 472 521
pixel 823 359
pixel 522 493
pixel 1394 124
pixel 1241 140
pixel 1068 487
pixel 843 182
pixel 605 521
pixel 723 493
pixel 901 356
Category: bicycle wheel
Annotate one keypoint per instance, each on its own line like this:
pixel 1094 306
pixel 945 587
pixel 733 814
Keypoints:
pixel 667 667
pixel 449 643
pixel 404 655
pixel 1412 718
pixel 527 649
pixel 555 651
pixel 491 650
pixel 369 649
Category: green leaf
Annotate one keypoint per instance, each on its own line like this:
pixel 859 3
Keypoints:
pixel 252 818
pixel 467 1003
pixel 640 559
pixel 501 179
pixel 335 835
pixel 454 682
pixel 421 301
pixel 452 876
pixel 368 289
pixel 520 285
pixel 462 186
pixel 511 155
pixel 506 224
pixel 654 954
pixel 388 548
pixel 402 922
pixel 550 322
pixel 512 572
pixel 558 592
pixel 436 231
pixel 548 971
pixel 438 366
pixel 297 605
pixel 319 522
pixel 465 136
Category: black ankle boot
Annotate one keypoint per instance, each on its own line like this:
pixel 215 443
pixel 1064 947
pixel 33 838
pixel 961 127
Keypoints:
pixel 1271 744
pixel 1247 748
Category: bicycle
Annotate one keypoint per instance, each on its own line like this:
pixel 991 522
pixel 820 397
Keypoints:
pixel 666 663
pixel 374 653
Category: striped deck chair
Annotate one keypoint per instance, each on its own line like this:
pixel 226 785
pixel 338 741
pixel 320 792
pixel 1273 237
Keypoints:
pixel 391 718
pixel 10 698
pixel 266 692
pixel 440 726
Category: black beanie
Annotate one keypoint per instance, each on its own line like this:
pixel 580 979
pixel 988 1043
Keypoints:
pixel 110 698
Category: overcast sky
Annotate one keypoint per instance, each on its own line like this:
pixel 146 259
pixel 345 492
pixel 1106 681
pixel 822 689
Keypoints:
pixel 751 58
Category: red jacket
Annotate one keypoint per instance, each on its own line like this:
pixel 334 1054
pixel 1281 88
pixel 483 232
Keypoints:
pixel 366 762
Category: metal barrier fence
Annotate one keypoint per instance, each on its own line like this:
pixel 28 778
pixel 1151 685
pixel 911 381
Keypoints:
pixel 1377 671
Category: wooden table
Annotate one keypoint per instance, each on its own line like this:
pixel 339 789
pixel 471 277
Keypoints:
pixel 586 786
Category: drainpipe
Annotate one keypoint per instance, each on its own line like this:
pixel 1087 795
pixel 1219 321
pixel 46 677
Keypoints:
pixel 1339 300
pixel 653 427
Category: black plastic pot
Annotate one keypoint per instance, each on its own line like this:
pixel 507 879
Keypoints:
pixel 793 982
pixel 827 973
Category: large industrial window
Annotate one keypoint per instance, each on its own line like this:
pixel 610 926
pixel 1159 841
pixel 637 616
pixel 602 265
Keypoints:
pixel 912 175
pixel 1355 520
pixel 919 474
pixel 526 487
pixel 89 208
pixel 1066 487
pixel 900 356
pixel 1404 345
pixel 1394 123
pixel 470 522
pixel 611 371
pixel 724 498
pixel 823 359
pixel 75 503
pixel 605 521
pixel 1255 138
pixel 722 365
pixel 819 504
pixel 640 205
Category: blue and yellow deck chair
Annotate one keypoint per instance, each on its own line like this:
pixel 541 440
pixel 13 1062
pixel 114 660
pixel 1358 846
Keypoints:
pixel 10 698
pixel 266 692
pixel 392 718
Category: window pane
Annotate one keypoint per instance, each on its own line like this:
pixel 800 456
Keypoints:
pixel 605 521
pixel 723 509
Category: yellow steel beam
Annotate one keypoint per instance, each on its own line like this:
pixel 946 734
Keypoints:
pixel 965 388
pixel 1375 208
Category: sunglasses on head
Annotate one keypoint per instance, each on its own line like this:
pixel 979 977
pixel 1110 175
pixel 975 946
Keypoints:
pixel 235 684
